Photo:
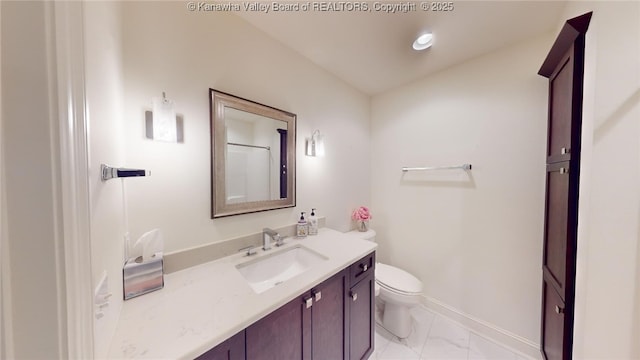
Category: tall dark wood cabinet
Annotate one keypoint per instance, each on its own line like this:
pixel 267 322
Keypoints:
pixel 564 67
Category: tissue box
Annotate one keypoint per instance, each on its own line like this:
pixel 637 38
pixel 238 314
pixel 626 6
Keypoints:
pixel 141 277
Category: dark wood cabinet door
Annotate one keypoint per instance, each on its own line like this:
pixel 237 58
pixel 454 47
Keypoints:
pixel 230 349
pixel 557 232
pixel 554 323
pixel 328 318
pixel 279 335
pixel 560 110
pixel 564 67
pixel 361 318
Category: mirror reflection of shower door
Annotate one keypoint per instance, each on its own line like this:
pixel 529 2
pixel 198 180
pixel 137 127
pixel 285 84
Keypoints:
pixel 248 173
pixel 255 148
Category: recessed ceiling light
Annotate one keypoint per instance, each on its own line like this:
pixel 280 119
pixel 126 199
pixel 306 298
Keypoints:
pixel 423 41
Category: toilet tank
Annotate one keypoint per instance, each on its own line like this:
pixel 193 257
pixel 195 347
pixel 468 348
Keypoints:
pixel 366 235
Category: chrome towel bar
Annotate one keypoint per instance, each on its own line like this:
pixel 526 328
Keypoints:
pixel 463 167
pixel 251 146
pixel 109 172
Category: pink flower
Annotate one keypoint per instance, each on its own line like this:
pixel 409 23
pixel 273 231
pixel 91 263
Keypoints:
pixel 361 214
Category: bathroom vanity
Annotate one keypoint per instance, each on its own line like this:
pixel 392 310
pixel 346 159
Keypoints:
pixel 212 311
pixel 333 320
pixel 311 326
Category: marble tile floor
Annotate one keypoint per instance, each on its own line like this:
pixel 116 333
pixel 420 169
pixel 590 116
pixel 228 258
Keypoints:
pixel 437 337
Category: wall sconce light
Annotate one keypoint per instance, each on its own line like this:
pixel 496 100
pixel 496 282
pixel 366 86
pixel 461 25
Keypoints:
pixel 163 123
pixel 315 144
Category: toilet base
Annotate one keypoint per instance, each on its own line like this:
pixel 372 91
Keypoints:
pixel 397 319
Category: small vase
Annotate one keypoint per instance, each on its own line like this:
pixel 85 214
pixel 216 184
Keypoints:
pixel 363 226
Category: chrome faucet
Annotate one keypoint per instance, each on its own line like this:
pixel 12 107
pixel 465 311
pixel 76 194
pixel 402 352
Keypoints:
pixel 267 236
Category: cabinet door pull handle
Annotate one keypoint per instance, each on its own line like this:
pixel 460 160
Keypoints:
pixel 559 310
pixel 308 302
pixel 317 295
pixel 564 170
pixel 354 296
pixel 364 267
pixel 564 151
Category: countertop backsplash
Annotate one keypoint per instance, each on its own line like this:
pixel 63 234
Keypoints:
pixel 179 260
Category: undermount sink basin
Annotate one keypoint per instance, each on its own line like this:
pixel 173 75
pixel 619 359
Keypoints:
pixel 267 271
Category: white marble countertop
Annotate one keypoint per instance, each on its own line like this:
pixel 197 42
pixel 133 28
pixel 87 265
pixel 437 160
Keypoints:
pixel 202 306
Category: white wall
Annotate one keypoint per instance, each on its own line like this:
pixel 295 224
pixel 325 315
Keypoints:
pixel 474 239
pixel 104 92
pixel 167 48
pixel 31 180
pixel 607 323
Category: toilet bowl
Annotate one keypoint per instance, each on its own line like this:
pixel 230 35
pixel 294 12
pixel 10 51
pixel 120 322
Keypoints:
pixel 398 290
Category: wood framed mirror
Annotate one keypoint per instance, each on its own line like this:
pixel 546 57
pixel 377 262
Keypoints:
pixel 253 156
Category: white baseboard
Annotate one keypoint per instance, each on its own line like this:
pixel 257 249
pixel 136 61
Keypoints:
pixel 523 347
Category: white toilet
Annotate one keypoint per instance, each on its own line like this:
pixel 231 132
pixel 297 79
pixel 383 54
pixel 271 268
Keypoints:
pixel 399 291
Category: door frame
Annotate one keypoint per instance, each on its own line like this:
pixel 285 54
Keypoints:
pixel 63 41
pixel 67 65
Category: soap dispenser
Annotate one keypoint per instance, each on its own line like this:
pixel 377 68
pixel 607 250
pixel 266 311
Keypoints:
pixel 313 223
pixel 302 229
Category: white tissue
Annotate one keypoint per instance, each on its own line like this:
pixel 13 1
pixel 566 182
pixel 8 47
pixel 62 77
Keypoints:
pixel 148 245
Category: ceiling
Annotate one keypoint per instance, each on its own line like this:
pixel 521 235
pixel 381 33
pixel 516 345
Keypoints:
pixel 372 50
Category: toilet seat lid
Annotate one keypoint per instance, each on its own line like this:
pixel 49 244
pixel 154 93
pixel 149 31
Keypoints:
pixel 397 279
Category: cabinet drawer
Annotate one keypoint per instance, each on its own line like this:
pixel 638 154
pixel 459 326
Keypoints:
pixel 363 267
